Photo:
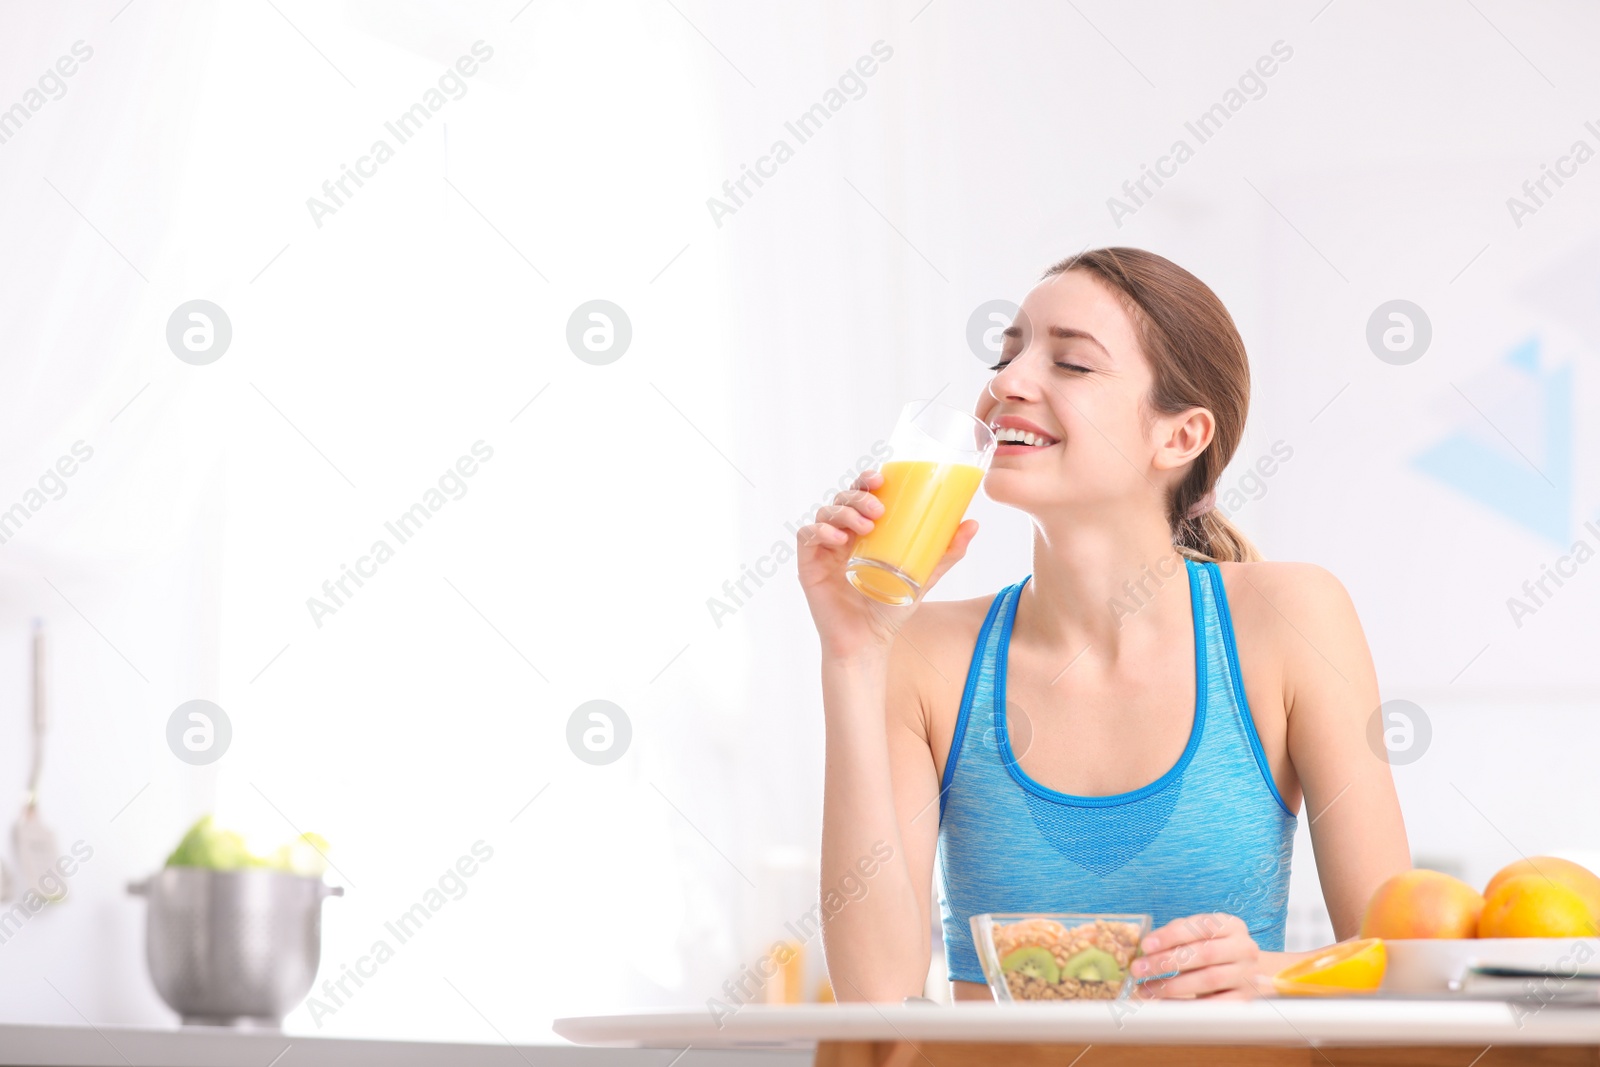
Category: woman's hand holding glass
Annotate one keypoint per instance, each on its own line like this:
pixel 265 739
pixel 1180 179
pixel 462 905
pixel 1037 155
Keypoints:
pixel 850 624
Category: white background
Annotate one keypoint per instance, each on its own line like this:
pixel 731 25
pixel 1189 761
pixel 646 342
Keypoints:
pixel 769 352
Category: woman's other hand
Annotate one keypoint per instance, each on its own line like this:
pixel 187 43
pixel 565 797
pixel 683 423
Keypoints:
pixel 1209 955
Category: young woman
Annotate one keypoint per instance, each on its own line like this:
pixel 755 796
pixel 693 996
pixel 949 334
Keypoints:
pixel 1139 725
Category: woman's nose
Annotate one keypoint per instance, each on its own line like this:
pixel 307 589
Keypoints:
pixel 1016 380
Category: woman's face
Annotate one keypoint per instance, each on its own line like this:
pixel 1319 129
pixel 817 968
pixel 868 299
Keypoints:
pixel 1073 376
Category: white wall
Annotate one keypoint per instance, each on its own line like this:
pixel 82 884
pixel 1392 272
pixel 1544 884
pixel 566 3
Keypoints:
pixel 768 354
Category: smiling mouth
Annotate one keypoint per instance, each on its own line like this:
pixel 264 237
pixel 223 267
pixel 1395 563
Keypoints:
pixel 1006 435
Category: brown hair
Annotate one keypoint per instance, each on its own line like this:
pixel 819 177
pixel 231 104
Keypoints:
pixel 1197 360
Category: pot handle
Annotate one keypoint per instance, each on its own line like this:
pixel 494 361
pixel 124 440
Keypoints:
pixel 140 888
pixel 330 890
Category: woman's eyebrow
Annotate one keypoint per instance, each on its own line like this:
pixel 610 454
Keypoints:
pixel 1062 333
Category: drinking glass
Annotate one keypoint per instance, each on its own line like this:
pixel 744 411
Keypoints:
pixel 938 456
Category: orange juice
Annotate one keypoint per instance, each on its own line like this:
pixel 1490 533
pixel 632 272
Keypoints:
pixel 923 502
pixel 786 986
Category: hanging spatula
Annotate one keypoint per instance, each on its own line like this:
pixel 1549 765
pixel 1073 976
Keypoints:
pixel 33 841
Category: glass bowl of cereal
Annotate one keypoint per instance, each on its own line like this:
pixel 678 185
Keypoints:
pixel 1057 955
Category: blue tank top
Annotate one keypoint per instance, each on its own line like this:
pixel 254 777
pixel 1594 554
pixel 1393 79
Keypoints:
pixel 1210 835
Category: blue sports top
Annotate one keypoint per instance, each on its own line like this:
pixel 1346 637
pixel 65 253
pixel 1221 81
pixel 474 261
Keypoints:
pixel 1210 835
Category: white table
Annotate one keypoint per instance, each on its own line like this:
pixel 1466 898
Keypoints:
pixel 1276 1031
pixel 203 1046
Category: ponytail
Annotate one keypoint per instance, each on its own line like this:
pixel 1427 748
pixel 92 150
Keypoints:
pixel 1212 538
pixel 1200 531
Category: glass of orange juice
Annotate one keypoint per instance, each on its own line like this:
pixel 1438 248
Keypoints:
pixel 940 454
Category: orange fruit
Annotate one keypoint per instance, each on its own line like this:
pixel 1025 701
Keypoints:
pixel 1420 903
pixel 1355 966
pixel 1579 879
pixel 1531 905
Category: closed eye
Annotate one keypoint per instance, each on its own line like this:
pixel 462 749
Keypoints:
pixel 1075 368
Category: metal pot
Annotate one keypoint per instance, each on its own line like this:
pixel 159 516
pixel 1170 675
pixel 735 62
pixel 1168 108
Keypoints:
pixel 233 948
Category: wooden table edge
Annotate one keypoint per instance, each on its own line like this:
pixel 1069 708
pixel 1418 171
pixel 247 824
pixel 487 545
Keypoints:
pixel 900 1053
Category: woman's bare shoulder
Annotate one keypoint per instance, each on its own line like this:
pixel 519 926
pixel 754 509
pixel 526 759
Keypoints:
pixel 939 621
pixel 935 645
pixel 1300 609
pixel 928 669
pixel 1280 584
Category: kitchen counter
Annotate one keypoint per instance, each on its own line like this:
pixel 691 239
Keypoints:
pixel 1275 1031
pixel 116 1046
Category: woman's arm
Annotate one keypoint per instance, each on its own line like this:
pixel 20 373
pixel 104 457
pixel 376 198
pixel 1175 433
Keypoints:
pixel 1331 693
pixel 880 816
pixel 1302 616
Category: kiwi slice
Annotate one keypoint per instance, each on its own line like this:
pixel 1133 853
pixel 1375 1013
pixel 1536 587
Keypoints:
pixel 1093 965
pixel 1032 962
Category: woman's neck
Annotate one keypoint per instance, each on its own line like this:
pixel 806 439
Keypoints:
pixel 1097 581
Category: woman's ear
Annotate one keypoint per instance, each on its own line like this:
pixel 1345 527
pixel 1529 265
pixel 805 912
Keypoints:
pixel 1183 436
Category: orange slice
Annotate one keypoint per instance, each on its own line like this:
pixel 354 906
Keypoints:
pixel 1351 967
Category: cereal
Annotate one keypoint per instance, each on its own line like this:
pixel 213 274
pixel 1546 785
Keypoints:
pixel 1036 979
pixel 1025 988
